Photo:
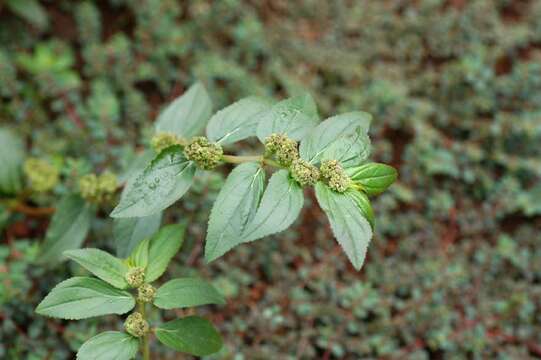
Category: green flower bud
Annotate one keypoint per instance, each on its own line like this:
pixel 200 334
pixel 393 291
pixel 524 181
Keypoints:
pixel 163 140
pixel 334 175
pixel 284 148
pixel 304 173
pixel 135 277
pixel 41 175
pixel 146 293
pixel 206 154
pixel 107 184
pixel 136 325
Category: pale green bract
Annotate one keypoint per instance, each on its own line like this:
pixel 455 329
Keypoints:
pixel 162 183
pixel 68 229
pixel 349 226
pixel 102 264
pixel 129 232
pixel 331 130
pixel 188 114
pixel 281 204
pixel 85 297
pixel 109 345
pixel 193 335
pixel 187 292
pixel 294 117
pixel 234 208
pixel 237 121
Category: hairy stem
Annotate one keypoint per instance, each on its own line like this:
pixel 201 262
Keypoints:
pixel 234 159
pixel 145 348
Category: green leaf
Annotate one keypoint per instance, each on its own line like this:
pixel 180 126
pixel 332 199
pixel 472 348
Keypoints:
pixel 85 297
pixel 234 208
pixel 139 255
pixel 188 114
pixel 162 183
pixel 162 248
pixel 294 117
pixel 351 150
pixel 186 292
pixel 348 223
pixel 331 130
pixel 238 121
pixel 109 345
pixel 373 178
pixel 31 11
pixel 280 206
pixel 67 230
pixel 11 157
pixel 192 334
pixel 102 264
pixel 364 205
pixel 129 232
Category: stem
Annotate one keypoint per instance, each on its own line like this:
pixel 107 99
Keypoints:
pixel 234 159
pixel 145 348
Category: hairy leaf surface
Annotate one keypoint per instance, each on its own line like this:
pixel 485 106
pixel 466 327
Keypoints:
pixel 192 334
pixel 348 223
pixel 109 345
pixel 281 204
pixel 238 121
pixel 188 114
pixel 102 264
pixel 129 232
pixel 85 297
pixel 187 292
pixel 234 208
pixel 162 183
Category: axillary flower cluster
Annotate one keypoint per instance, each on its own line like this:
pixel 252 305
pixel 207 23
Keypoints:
pixel 41 175
pixel 286 154
pixel 135 323
pixel 98 189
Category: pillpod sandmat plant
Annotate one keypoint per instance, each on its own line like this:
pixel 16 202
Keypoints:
pixel 122 285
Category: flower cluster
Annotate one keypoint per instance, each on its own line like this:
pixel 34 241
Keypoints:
pixel 146 293
pixel 283 148
pixel 41 174
pixel 163 140
pixel 136 325
pixel 205 153
pixel 135 277
pixel 304 173
pixel 334 175
pixel 98 189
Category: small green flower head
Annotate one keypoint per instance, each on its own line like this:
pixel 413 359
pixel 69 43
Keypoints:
pixel 146 293
pixel 334 175
pixel 163 140
pixel 41 175
pixel 135 325
pixel 304 173
pixel 206 154
pixel 89 187
pixel 98 189
pixel 135 277
pixel 284 148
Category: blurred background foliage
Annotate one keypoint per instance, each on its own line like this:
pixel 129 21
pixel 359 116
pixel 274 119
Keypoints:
pixel 454 271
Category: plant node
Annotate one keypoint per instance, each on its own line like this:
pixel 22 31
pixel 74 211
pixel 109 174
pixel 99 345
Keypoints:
pixel 284 148
pixel 136 325
pixel 205 153
pixel 146 293
pixel 42 175
pixel 135 277
pixel 334 175
pixel 304 173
